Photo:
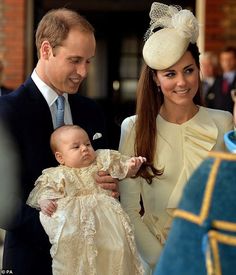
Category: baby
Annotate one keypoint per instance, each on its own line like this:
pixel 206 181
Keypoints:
pixel 89 231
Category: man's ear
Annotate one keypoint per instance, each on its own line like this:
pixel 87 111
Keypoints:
pixel 46 49
pixel 59 158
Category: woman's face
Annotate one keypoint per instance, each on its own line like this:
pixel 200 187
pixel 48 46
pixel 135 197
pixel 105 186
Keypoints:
pixel 180 82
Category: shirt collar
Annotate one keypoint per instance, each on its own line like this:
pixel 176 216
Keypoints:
pixel 229 76
pixel 48 93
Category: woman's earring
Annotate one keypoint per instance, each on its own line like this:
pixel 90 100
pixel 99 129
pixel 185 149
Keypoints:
pixel 158 89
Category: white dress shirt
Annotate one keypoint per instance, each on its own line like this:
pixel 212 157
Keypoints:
pixel 51 96
pixel 229 76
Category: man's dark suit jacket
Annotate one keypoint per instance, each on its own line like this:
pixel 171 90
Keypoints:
pixel 216 99
pixel 28 118
pixel 4 90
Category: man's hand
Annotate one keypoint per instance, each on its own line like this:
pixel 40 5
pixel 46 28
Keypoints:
pixel 105 181
pixel 48 207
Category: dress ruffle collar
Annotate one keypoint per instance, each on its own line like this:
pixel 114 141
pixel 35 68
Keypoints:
pixel 200 135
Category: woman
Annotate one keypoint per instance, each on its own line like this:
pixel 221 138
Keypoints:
pixel 171 128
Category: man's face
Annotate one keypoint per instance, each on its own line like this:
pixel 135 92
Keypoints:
pixel 67 65
pixel 228 61
pixel 207 68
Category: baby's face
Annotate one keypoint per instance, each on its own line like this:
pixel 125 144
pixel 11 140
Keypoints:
pixel 76 149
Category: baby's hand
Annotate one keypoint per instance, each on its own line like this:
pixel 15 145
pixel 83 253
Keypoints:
pixel 48 207
pixel 135 164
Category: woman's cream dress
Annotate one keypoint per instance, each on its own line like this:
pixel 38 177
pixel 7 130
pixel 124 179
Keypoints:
pixel 89 232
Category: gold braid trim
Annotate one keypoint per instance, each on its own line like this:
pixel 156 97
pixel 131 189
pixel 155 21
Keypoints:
pixel 215 238
pixel 216 255
pixel 222 155
pixel 209 263
pixel 222 225
pixel 222 238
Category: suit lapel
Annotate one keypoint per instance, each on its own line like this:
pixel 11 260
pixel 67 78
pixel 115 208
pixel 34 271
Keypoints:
pixel 37 106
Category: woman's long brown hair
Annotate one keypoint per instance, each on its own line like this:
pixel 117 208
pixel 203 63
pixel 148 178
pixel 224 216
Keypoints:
pixel 148 104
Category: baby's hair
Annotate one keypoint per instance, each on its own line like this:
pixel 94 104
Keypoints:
pixel 56 133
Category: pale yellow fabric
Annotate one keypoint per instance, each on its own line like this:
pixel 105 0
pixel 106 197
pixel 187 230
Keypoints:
pixel 180 149
pixel 89 232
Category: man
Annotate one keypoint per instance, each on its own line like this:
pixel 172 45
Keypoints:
pixel 209 70
pixel 65 45
pixel 219 96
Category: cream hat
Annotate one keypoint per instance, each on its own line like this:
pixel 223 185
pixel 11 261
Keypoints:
pixel 164 47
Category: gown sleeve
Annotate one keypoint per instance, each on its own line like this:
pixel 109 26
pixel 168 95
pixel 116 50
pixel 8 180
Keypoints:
pixel 50 185
pixel 113 162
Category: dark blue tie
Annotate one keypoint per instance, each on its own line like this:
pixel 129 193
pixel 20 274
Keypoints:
pixel 60 102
